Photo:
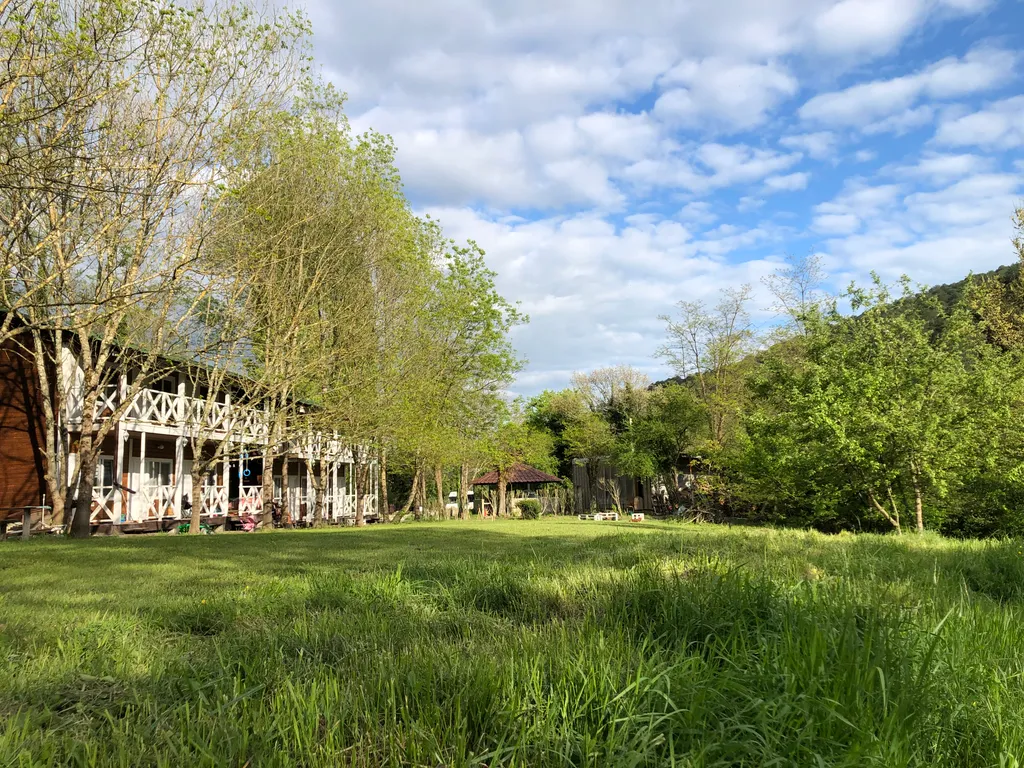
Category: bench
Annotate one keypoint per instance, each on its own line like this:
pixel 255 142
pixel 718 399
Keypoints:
pixel 27 516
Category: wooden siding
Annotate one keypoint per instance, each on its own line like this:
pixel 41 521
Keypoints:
pixel 22 482
pixel 632 491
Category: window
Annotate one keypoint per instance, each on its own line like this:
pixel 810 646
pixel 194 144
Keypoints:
pixel 104 483
pixel 158 472
pixel 166 385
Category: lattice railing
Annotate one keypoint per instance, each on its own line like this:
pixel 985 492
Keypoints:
pixel 250 500
pixel 103 505
pixel 155 407
pixel 215 500
pixel 155 501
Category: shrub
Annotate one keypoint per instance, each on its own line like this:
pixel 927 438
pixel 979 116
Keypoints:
pixel 529 509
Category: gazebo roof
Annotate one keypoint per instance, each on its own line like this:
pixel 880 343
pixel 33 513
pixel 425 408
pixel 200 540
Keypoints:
pixel 518 473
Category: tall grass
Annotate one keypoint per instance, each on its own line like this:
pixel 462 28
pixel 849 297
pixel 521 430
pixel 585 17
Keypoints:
pixel 512 644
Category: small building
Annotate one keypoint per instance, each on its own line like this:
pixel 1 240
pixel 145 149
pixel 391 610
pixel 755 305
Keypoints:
pixel 143 476
pixel 524 482
pixel 598 485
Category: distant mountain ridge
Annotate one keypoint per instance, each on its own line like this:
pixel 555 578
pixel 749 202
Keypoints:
pixel 948 294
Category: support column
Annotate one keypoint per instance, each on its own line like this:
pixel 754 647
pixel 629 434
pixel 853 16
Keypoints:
pixel 309 494
pixel 120 439
pixel 334 489
pixel 225 476
pixel 179 473
pixel 179 405
pixel 143 477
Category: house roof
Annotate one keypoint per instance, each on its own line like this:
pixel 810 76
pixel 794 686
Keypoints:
pixel 518 473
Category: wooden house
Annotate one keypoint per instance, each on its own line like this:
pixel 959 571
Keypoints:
pixel 143 476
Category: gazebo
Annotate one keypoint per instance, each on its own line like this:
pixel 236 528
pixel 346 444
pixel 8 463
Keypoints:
pixel 522 479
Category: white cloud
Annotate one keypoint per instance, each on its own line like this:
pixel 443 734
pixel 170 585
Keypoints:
pixel 820 145
pixel 933 236
pixel 874 26
pixel 865 155
pixel 739 163
pixel 697 213
pixel 603 286
pixel 749 203
pixel 936 168
pixel 593 115
pixel 789 183
pixel 736 95
pixel 874 102
pixel 904 121
pixel 857 202
pixel 998 126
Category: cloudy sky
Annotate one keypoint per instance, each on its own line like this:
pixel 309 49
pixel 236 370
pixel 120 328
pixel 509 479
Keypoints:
pixel 614 158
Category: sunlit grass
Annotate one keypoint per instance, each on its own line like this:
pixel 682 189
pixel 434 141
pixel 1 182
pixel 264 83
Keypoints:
pixel 527 643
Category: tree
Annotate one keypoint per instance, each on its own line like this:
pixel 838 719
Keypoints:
pixel 1001 304
pixel 707 346
pixel 880 406
pixel 511 442
pixel 114 138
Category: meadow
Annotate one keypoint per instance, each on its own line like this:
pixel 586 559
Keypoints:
pixel 512 643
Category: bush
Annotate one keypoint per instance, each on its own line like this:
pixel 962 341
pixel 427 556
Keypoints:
pixel 529 509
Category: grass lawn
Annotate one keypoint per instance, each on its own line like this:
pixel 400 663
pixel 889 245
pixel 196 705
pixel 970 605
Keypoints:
pixel 527 643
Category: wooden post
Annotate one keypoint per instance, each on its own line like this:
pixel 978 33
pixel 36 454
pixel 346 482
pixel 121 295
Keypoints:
pixel 225 479
pixel 334 489
pixel 26 523
pixel 120 438
pixel 179 473
pixel 309 493
pixel 143 475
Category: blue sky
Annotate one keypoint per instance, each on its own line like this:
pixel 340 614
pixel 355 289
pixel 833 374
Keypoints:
pixel 614 158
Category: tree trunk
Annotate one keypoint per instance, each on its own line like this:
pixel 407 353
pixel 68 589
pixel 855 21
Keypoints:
pixel 894 520
pixel 81 527
pixel 56 447
pixel 267 490
pixel 464 491
pixel 412 492
pixel 198 476
pixel 385 508
pixel 439 483
pixel 501 493
pixel 423 490
pixel 918 501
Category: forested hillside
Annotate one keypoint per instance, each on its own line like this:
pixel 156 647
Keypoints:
pixel 886 407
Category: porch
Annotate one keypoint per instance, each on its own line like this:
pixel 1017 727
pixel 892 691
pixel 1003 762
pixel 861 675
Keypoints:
pixel 146 477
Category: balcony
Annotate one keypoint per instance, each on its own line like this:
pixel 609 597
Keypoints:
pixel 182 414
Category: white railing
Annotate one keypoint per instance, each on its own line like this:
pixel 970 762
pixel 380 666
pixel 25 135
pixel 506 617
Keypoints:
pixel 250 500
pixel 369 502
pixel 155 407
pixel 151 406
pixel 215 500
pixel 103 505
pixel 154 501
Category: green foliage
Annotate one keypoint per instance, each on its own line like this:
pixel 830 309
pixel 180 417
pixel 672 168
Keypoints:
pixel 529 508
pixel 609 645
pixel 877 414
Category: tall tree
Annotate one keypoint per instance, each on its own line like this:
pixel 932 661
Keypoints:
pixel 707 345
pixel 885 405
pixel 113 146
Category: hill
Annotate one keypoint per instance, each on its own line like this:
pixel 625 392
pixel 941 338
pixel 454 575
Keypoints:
pixel 948 295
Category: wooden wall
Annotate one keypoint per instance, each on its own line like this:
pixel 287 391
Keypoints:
pixel 630 488
pixel 22 481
